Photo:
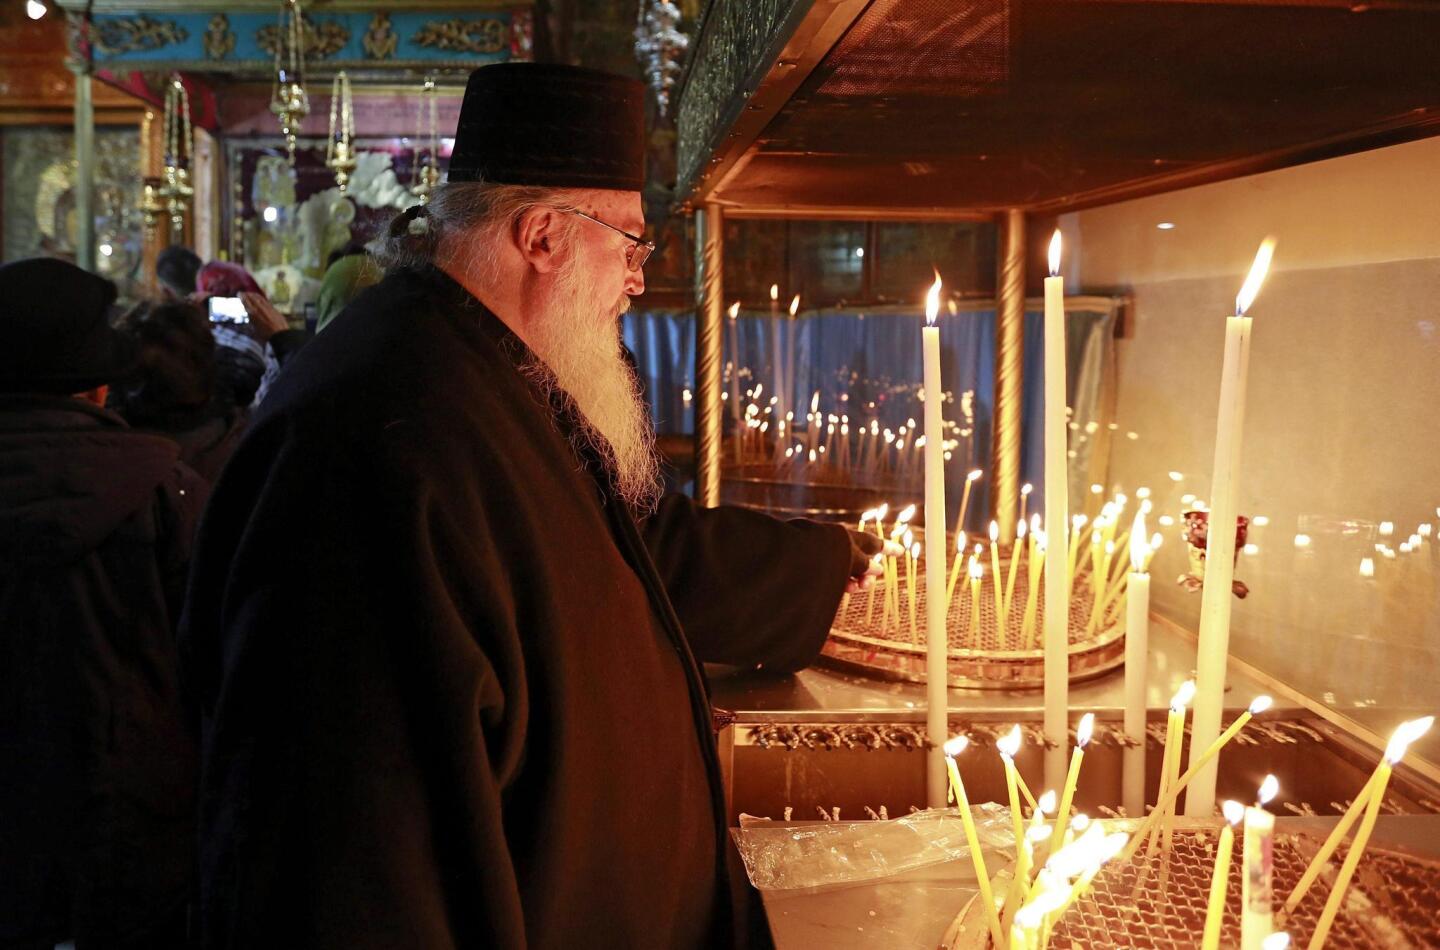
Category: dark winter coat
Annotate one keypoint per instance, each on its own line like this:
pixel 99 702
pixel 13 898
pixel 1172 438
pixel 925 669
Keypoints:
pixel 449 702
pixel 97 758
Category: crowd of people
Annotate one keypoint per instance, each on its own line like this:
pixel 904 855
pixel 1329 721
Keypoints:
pixel 386 638
pixel 114 425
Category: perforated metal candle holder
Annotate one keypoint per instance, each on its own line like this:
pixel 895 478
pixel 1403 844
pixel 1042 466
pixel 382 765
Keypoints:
pixel 1390 902
pixel 984 658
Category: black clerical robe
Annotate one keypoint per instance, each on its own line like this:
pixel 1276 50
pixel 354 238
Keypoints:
pixel 448 699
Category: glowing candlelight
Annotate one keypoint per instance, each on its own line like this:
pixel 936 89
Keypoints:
pixel 1025 858
pixel 1214 646
pixel 1137 653
pixel 953 748
pixel 970 479
pixel 1400 740
pixel 1072 778
pixel 1256 901
pixel 997 578
pixel 936 638
pixel 1008 747
pixel 1057 512
pixel 1367 565
pixel 1394 752
pixel 1220 878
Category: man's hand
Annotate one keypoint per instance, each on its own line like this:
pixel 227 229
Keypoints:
pixel 265 320
pixel 866 555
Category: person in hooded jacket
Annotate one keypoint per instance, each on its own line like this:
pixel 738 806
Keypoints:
pixel 98 762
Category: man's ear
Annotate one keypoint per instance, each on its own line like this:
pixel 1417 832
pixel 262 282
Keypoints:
pixel 536 234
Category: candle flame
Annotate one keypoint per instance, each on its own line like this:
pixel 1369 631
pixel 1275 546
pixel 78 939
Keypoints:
pixel 1020 529
pixel 975 570
pixel 1085 730
pixel 932 301
pixel 960 542
pixel 1079 823
pixel 1279 940
pixel 905 515
pixel 1055 253
pixel 1046 804
pixel 1034 523
pixel 1183 695
pixel 774 291
pixel 974 475
pixel 1259 704
pixel 1009 744
pixel 882 511
pixel 794 305
pixel 1268 790
pixel 815 399
pixel 1256 277
pixel 1367 565
pixel 1234 811
pixel 1155 540
pixel 734 310
pixel 1038 833
pixel 1302 540
pixel 994 531
pixel 1407 733
pixel 1139 544
pixel 1027 488
pixel 915 549
pixel 957 745
pixel 908 538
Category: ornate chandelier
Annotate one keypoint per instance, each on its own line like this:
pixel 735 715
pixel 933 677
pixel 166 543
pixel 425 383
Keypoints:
pixel 288 100
pixel 170 193
pixel 340 149
pixel 660 45
pixel 427 156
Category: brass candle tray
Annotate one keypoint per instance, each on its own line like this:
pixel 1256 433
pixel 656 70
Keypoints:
pixel 1390 903
pixel 984 658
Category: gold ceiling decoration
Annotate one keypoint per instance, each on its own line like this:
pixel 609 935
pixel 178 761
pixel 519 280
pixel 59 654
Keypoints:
pixel 317 40
pixel 380 40
pixel 136 34
pixel 219 39
pixel 458 35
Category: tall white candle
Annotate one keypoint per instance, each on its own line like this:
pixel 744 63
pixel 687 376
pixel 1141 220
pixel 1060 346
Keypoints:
pixel 1057 512
pixel 936 550
pixel 1137 651
pixel 1214 645
pixel 1257 904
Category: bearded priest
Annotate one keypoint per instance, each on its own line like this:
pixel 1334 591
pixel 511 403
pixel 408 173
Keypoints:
pixel 445 635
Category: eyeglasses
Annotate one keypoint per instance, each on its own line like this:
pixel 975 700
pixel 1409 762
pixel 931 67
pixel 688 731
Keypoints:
pixel 637 253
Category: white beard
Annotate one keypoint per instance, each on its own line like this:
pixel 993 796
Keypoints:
pixel 578 350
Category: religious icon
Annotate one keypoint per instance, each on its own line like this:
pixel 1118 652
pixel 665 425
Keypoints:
pixel 219 40
pixel 380 40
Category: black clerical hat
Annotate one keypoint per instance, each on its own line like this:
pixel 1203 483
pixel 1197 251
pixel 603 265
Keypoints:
pixel 54 337
pixel 551 125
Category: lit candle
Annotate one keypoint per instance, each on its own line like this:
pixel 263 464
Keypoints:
pixel 1025 491
pixel 970 479
pixel 1394 752
pixel 777 347
pixel 1037 564
pixel 1214 639
pixel 907 541
pixel 1025 858
pixel 997 580
pixel 1400 740
pixel 1017 554
pixel 1168 796
pixel 1057 512
pixel 1008 746
pixel 955 570
pixel 1257 910
pixel 735 380
pixel 976 572
pixel 1082 739
pixel 1137 652
pixel 953 748
pixel 1220 879
pixel 936 638
pixel 1174 742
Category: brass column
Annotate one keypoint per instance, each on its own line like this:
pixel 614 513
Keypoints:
pixel 709 324
pixel 1009 371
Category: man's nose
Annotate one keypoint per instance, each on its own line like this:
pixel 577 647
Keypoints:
pixel 635 282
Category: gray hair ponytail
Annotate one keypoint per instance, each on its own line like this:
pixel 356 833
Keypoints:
pixel 414 237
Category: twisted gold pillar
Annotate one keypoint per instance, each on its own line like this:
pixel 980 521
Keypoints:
pixel 709 324
pixel 1009 372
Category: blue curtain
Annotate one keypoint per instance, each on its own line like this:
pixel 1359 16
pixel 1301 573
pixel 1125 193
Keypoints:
pixel 856 358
